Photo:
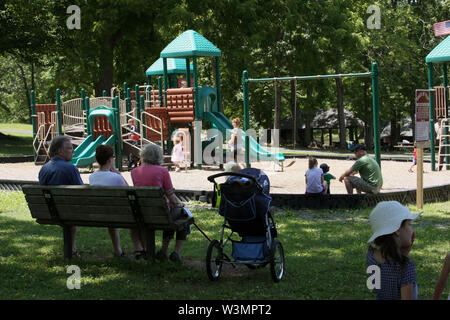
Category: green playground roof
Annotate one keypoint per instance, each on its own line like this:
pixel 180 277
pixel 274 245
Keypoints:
pixel 174 66
pixel 441 53
pixel 190 44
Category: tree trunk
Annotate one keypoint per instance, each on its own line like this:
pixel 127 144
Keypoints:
pixel 341 114
pixel 26 90
pixel 107 65
pixel 394 129
pixel 308 119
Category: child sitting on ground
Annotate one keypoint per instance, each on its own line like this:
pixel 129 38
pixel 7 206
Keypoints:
pixel 315 183
pixel 327 176
pixel 389 247
pixel 177 154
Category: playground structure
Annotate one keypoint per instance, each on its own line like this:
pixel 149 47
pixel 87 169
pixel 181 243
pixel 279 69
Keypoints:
pixel 157 114
pixel 439 102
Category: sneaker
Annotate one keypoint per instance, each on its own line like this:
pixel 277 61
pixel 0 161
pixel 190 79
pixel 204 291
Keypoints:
pixel 175 257
pixel 160 256
pixel 177 169
pixel 409 170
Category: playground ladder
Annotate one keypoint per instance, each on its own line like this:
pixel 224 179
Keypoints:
pixel 445 126
pixel 42 136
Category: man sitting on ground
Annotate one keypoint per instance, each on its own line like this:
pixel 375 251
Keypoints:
pixel 371 179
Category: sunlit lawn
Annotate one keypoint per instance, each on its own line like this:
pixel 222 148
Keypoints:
pixel 325 258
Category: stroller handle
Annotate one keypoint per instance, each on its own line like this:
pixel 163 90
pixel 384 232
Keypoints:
pixel 237 174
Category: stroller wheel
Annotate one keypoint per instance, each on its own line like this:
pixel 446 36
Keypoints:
pixel 214 260
pixel 277 265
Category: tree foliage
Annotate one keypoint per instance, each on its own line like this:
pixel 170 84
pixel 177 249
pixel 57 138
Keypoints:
pixel 119 39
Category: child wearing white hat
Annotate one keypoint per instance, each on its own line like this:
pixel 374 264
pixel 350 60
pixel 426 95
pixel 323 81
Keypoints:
pixel 390 245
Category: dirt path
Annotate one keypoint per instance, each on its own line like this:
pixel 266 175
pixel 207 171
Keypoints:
pixel 292 180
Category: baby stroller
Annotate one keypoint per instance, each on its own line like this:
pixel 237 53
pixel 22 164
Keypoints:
pixel 244 204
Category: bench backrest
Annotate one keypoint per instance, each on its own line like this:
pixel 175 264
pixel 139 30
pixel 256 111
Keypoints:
pixel 99 206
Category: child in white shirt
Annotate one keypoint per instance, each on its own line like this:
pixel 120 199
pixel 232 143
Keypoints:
pixel 177 154
pixel 315 183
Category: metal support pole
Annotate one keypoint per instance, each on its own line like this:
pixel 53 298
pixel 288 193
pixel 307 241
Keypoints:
pixel 118 141
pixel 88 108
pixel 376 113
pixel 219 91
pixel 166 84
pixel 138 107
pixel 33 119
pixel 198 134
pixel 295 114
pixel 188 73
pixel 125 87
pixel 160 92
pixel 432 135
pixel 58 110
pixel 445 83
pixel 246 117
pixel 144 131
pixel 419 191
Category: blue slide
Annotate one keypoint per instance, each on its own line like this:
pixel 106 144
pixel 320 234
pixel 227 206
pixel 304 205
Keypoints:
pixel 84 154
pixel 222 123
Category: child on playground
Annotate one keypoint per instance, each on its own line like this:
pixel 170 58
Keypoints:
pixel 133 136
pixel 177 154
pixel 389 247
pixel 414 159
pixel 327 176
pixel 315 183
pixel 442 281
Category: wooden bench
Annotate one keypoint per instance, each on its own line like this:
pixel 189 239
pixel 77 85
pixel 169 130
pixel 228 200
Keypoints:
pixel 144 208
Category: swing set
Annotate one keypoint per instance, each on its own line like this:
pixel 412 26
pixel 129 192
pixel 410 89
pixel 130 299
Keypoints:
pixel 375 101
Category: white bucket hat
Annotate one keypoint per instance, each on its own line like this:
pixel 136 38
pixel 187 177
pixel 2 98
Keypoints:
pixel 387 217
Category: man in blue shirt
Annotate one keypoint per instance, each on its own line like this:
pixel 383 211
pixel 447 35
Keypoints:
pixel 58 171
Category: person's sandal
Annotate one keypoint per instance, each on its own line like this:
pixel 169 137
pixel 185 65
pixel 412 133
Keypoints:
pixel 76 254
pixel 122 255
pixel 140 254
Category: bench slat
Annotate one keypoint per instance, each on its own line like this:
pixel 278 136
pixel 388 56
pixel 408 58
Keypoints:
pixel 35 199
pixel 103 224
pixel 85 190
pixel 39 211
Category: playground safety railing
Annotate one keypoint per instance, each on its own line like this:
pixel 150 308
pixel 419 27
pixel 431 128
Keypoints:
pixel 42 134
pixel 143 126
pixel 127 131
pixel 100 101
pixel 73 117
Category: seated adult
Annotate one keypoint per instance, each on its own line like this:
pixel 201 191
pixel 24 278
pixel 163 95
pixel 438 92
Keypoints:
pixel 152 174
pixel 59 171
pixel 371 179
pixel 108 175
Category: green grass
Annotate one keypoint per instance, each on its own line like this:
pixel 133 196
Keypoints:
pixel 15 144
pixel 16 126
pixel 325 257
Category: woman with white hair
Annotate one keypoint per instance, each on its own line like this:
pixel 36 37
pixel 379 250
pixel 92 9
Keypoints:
pixel 152 174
